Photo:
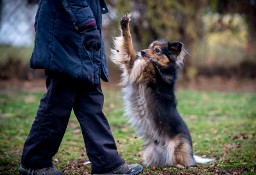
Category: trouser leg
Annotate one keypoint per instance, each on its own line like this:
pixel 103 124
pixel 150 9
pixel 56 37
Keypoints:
pixel 100 145
pixel 50 122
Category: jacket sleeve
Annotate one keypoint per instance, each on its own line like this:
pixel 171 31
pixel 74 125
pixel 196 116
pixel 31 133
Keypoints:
pixel 80 12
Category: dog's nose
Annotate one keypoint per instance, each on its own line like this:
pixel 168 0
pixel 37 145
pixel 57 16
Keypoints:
pixel 143 52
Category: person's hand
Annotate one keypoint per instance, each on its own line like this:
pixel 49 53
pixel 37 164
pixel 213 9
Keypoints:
pixel 91 37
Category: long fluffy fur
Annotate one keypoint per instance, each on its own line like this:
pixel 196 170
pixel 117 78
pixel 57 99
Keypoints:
pixel 148 91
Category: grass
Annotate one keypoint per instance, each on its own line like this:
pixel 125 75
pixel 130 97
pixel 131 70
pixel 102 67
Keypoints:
pixel 222 126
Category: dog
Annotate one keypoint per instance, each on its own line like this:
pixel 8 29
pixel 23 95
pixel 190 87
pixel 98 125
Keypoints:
pixel 148 80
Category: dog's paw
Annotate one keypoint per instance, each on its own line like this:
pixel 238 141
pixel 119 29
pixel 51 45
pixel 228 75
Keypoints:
pixel 125 20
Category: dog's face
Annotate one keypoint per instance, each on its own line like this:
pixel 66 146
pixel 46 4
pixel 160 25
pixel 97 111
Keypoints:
pixel 165 58
pixel 165 53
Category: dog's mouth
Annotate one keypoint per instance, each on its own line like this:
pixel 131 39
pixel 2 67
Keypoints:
pixel 139 56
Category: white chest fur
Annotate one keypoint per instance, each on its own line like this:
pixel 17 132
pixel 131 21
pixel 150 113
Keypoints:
pixel 136 108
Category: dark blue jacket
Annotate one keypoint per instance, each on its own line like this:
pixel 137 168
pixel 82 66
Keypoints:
pixel 58 44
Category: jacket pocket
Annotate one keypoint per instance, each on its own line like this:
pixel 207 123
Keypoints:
pixel 90 65
pixel 96 58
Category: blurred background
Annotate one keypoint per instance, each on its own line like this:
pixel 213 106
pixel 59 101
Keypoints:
pixel 220 36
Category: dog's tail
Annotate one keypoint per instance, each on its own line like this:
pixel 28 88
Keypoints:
pixel 202 160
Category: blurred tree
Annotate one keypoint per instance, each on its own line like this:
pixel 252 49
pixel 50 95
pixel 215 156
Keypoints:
pixel 1 6
pixel 171 20
pixel 181 20
pixel 247 8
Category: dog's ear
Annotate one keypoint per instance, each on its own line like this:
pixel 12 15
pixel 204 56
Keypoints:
pixel 177 52
pixel 175 47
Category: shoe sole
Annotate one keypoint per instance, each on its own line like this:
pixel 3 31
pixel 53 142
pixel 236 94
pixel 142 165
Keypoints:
pixel 133 173
pixel 136 173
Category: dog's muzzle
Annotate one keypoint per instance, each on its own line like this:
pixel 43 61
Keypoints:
pixel 138 55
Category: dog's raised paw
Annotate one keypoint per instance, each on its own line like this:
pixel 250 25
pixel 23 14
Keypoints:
pixel 125 20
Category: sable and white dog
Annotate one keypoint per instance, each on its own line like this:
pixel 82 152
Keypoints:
pixel 148 80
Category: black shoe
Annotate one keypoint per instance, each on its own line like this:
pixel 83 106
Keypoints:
pixel 44 171
pixel 132 169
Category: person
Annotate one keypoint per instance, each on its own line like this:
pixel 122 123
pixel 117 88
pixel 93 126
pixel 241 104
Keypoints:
pixel 69 46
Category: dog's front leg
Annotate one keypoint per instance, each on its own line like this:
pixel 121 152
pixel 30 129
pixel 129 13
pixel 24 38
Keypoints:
pixel 123 53
pixel 127 37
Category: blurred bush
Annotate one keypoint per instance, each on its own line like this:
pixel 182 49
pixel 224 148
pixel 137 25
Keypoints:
pixel 219 35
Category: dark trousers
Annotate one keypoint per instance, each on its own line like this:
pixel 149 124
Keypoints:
pixel 63 95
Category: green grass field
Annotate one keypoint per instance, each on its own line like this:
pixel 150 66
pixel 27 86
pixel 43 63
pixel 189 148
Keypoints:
pixel 222 126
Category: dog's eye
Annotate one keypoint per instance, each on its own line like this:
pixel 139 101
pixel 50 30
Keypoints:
pixel 157 50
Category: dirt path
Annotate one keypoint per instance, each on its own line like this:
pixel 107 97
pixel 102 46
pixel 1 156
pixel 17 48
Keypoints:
pixel 199 84
pixel 208 84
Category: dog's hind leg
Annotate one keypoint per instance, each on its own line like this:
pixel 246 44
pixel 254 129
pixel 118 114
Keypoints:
pixel 158 154
pixel 183 153
pixel 153 155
